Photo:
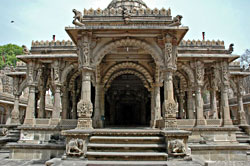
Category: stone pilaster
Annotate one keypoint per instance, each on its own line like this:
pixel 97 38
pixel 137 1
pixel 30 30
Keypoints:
pixel 153 121
pixel 74 105
pixel 224 95
pixel 190 103
pixel 199 77
pixel 241 112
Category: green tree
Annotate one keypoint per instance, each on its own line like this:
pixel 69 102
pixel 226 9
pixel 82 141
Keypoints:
pixel 8 54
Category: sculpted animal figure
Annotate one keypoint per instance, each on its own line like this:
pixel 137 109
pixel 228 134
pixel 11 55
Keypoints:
pixel 78 15
pixel 25 50
pixel 75 147
pixel 231 49
pixel 176 147
pixel 176 21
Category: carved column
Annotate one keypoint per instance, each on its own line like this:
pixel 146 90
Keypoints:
pixel 42 91
pixel 224 94
pixel 153 121
pixel 85 106
pixel 213 103
pixel 199 76
pixel 215 79
pixel 30 110
pixel 65 103
pixel 74 105
pixel 241 112
pixel 190 104
pixel 170 107
pixel 15 112
pixel 41 112
pixel 57 95
pixel 181 104
pixel 102 104
pixel 97 114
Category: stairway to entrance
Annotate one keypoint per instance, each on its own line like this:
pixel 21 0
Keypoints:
pixel 127 146
pixel 242 137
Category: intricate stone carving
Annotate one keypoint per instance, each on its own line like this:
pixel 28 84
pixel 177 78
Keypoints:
pixel 4 131
pixel 126 15
pixel 168 52
pixel 176 147
pixel 25 50
pixel 84 51
pixel 77 18
pixel 171 109
pixel 84 109
pixel 199 73
pixel 225 74
pixel 75 147
pixel 176 21
pixel 230 49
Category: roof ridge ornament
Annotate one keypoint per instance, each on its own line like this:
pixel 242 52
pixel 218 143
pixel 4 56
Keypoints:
pixel 78 18
pixel 176 21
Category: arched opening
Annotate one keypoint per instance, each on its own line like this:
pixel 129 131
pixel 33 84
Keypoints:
pixel 127 102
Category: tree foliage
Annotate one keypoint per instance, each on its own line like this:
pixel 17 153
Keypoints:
pixel 8 54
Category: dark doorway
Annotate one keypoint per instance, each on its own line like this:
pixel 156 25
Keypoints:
pixel 127 103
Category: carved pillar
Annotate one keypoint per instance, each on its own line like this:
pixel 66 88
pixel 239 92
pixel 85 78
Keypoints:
pixel 30 110
pixel 102 104
pixel 199 76
pixel 57 95
pixel 65 103
pixel 224 95
pixel 85 106
pixel 241 112
pixel 74 104
pixel 190 103
pixel 15 112
pixel 153 121
pixel 41 112
pixel 170 107
pixel 213 103
pixel 181 104
pixel 97 113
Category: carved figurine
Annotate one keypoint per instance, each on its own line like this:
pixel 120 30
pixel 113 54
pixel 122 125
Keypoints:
pixel 75 147
pixel 231 49
pixel 176 21
pixel 84 109
pixel 168 52
pixel 5 131
pixel 77 18
pixel 176 147
pixel 25 50
pixel 126 15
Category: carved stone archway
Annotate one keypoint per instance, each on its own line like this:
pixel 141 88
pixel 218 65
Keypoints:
pixel 156 54
pixel 147 85
pixel 126 66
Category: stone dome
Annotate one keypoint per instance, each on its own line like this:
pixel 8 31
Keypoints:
pixel 129 4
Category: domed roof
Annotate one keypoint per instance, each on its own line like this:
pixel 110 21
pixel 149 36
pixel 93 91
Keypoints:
pixel 129 4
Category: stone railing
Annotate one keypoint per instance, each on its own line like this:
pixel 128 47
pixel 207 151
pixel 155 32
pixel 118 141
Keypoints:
pixel 133 12
pixel 52 43
pixel 199 43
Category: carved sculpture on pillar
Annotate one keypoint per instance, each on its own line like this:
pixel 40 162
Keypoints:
pixel 224 94
pixel 199 75
pixel 84 51
pixel 84 112
pixel 241 112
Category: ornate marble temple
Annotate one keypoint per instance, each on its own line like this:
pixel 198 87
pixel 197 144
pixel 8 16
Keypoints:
pixel 128 87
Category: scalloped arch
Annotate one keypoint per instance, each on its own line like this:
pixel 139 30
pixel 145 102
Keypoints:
pixel 157 56
pixel 127 71
pixel 126 66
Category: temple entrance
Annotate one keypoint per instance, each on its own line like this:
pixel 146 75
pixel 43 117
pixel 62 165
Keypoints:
pixel 127 103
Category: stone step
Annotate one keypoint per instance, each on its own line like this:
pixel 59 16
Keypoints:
pixel 126 147
pixel 243 140
pixel 130 156
pixel 242 136
pixel 126 139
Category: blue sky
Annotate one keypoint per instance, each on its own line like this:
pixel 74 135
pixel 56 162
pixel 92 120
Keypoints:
pixel 227 20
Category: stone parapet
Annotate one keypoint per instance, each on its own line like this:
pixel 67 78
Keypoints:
pixel 133 12
pixel 204 43
pixel 57 43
